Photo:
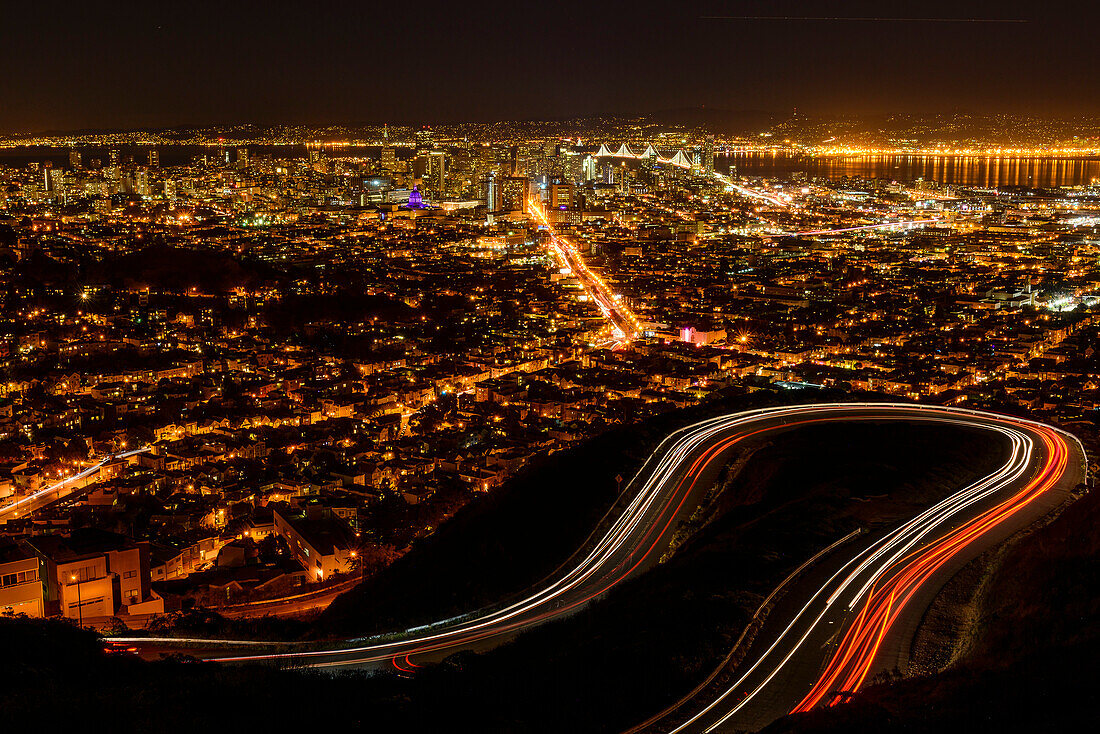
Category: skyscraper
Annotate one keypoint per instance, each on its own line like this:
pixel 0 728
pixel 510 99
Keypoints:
pixel 74 159
pixel 591 168
pixel 57 184
pixel 154 158
pixel 708 155
pixel 242 157
pixel 561 195
pixel 491 190
pixel 389 158
pixel 437 171
pixel 514 191
pixel 141 182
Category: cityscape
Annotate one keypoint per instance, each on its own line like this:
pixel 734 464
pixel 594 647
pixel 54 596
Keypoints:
pixel 690 419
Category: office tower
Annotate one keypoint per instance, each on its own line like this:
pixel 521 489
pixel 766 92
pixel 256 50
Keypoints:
pixel 708 155
pixel 154 158
pixel 55 182
pixel 74 159
pixel 514 192
pixel 590 168
pixel 436 173
pixel 114 158
pixel 491 191
pixel 623 179
pixel 561 195
pixel 242 157
pixel 389 158
pixel 141 182
pixel 170 190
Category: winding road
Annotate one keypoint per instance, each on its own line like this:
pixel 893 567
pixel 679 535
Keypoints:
pixel 848 617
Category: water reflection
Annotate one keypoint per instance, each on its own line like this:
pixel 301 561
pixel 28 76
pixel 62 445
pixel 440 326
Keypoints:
pixel 967 170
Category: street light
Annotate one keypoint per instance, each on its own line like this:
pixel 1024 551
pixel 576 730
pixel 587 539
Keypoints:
pixel 79 606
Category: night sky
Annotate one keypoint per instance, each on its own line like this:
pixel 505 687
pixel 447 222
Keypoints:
pixel 123 64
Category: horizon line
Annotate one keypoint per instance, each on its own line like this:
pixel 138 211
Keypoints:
pixel 864 19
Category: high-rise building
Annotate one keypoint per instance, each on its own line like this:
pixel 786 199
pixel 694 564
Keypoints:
pixel 74 159
pixel 141 182
pixel 622 177
pixel 591 168
pixel 491 191
pixel 708 155
pixel 389 158
pixel 154 158
pixel 170 190
pixel 56 182
pixel 561 195
pixel 114 158
pixel 242 157
pixel 514 192
pixel 437 171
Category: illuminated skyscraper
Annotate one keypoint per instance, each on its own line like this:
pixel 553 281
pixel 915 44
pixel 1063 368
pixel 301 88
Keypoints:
pixel 55 182
pixel 154 158
pixel 514 191
pixel 389 158
pixel 708 155
pixel 242 157
pixel 561 195
pixel 74 159
pixel 591 168
pixel 437 171
pixel 141 182
pixel 492 193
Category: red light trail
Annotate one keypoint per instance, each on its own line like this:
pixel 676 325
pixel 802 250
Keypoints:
pixel 620 316
pixel 888 570
pixel 852 660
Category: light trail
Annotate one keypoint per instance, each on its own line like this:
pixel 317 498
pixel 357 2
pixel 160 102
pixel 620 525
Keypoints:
pixel 620 316
pixel 880 608
pixel 783 200
pixel 13 507
pixel 906 558
pixel 662 490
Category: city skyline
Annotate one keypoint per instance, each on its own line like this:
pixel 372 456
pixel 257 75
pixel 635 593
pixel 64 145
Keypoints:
pixel 610 369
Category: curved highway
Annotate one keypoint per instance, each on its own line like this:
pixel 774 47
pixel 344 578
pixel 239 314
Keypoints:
pixel 833 629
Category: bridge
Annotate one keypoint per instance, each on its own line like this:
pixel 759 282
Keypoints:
pixel 679 158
